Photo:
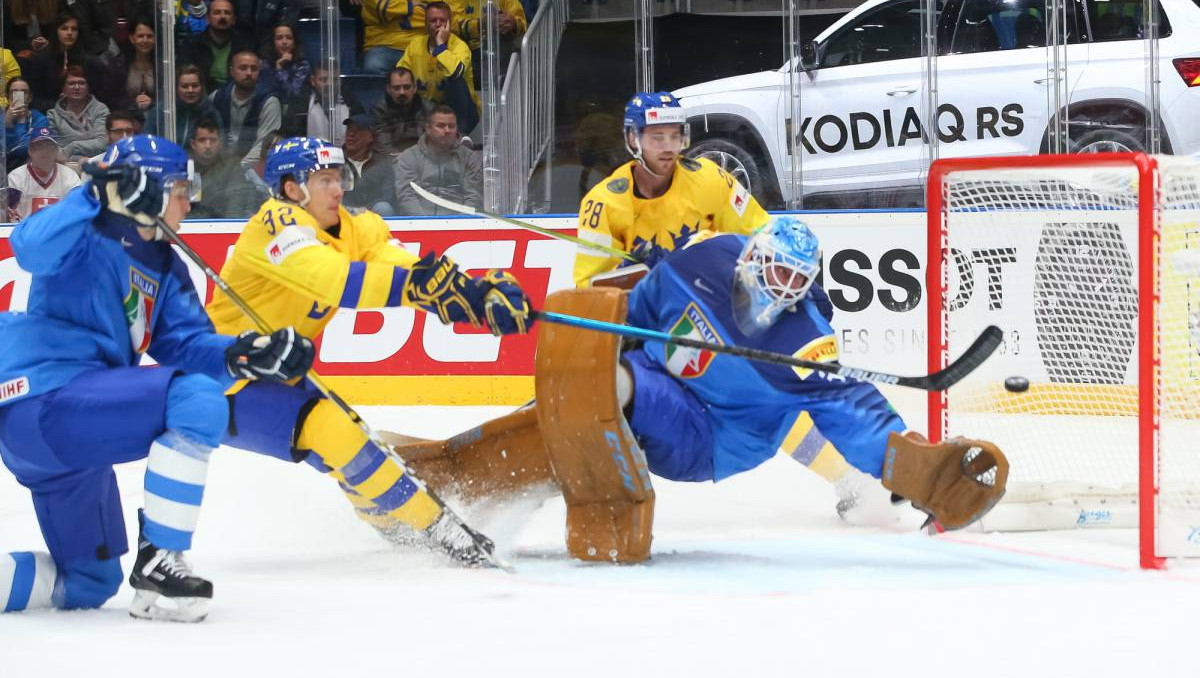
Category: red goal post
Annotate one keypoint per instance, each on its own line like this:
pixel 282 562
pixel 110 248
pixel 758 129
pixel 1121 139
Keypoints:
pixel 1091 265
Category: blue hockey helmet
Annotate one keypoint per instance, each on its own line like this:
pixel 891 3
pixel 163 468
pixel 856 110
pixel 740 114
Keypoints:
pixel 296 157
pixel 777 267
pixel 162 159
pixel 653 108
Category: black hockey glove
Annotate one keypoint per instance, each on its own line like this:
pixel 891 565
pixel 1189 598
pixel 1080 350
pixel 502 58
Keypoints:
pixel 129 191
pixel 282 356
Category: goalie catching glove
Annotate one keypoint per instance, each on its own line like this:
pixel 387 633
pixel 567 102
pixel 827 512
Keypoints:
pixel 281 356
pixel 128 191
pixel 495 300
pixel 956 482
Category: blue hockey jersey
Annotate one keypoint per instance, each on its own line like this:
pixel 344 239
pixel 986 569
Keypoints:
pixel 100 297
pixel 752 405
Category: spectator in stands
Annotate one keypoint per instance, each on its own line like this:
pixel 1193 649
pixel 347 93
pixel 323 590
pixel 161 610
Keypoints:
pixel 254 173
pixel 191 16
pixel 25 23
pixel 224 191
pixel 212 49
pixel 441 63
pixel 257 18
pixel 10 70
pixel 40 182
pixel 440 163
pixel 284 71
pixel 402 113
pixel 48 68
pixel 19 121
pixel 78 118
pixel 388 28
pixel 316 119
pixel 97 23
pixel 190 104
pixel 247 114
pixel 470 25
pixel 120 124
pixel 139 66
pixel 374 176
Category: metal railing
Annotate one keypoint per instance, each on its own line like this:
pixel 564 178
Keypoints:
pixel 520 133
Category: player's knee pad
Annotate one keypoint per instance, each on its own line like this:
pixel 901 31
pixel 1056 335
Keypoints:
pixel 27 581
pixel 197 409
pixel 89 584
pixel 669 423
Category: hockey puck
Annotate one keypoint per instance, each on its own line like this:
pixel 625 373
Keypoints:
pixel 1016 384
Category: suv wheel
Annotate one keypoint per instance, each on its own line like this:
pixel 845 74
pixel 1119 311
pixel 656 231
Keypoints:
pixel 1107 141
pixel 736 161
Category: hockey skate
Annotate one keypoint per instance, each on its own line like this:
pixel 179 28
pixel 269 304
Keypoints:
pixel 464 545
pixel 163 576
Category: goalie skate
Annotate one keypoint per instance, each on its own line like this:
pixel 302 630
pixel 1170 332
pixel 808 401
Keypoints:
pixel 165 588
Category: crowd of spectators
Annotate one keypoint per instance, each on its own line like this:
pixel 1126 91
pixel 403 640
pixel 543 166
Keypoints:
pixel 76 75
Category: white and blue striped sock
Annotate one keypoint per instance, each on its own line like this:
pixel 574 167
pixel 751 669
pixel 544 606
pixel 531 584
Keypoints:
pixel 27 580
pixel 175 473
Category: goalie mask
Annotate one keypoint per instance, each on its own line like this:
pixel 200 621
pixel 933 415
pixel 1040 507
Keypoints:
pixel 777 267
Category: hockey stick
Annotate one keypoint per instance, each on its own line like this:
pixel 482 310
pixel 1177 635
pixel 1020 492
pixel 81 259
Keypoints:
pixel 481 541
pixel 973 357
pixel 467 209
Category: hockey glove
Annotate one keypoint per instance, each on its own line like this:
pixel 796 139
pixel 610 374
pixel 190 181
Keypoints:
pixel 129 191
pixel 436 285
pixel 505 303
pixel 282 356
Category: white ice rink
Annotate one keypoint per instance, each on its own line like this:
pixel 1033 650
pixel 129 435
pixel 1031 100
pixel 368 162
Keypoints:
pixel 755 576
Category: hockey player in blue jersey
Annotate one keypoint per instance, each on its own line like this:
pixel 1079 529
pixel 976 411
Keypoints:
pixel 608 417
pixel 106 289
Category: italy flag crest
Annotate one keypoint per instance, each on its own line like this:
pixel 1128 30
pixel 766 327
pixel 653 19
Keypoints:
pixel 139 309
pixel 689 363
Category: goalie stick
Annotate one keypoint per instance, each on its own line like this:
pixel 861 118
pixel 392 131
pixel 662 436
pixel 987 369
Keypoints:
pixel 973 357
pixel 481 541
pixel 466 209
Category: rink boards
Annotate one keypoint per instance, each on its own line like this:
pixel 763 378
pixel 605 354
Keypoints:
pixel 874 273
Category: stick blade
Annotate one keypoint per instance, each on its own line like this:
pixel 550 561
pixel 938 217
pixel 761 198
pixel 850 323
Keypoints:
pixel 980 350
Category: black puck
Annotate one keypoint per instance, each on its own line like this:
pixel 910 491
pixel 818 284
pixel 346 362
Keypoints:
pixel 1016 384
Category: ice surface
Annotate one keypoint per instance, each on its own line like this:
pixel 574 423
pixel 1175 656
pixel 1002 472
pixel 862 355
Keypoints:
pixel 754 576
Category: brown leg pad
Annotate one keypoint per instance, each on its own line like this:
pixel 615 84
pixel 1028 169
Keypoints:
pixel 956 481
pixel 502 458
pixel 599 465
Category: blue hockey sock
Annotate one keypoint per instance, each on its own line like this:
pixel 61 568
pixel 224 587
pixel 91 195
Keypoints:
pixel 27 580
pixel 175 474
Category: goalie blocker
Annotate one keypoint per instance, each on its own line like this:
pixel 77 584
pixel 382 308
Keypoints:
pixel 575 439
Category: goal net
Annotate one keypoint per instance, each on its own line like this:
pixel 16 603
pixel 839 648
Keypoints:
pixel 1091 266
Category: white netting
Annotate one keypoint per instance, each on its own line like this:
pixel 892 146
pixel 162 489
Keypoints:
pixel 1051 255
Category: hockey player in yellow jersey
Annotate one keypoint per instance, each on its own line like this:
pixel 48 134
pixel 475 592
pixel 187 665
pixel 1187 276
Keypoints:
pixel 298 260
pixel 657 201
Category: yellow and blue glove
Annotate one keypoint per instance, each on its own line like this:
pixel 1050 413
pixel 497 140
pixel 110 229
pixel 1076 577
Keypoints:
pixel 496 300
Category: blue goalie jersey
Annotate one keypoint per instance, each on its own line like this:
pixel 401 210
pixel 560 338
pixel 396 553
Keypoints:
pixel 751 406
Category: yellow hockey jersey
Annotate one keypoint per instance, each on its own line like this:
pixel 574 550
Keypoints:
pixel 293 272
pixel 702 197
pixel 392 23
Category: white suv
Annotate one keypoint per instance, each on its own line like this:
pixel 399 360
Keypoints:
pixel 861 96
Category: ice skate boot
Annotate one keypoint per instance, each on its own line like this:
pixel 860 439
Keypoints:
pixel 165 588
pixel 464 545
